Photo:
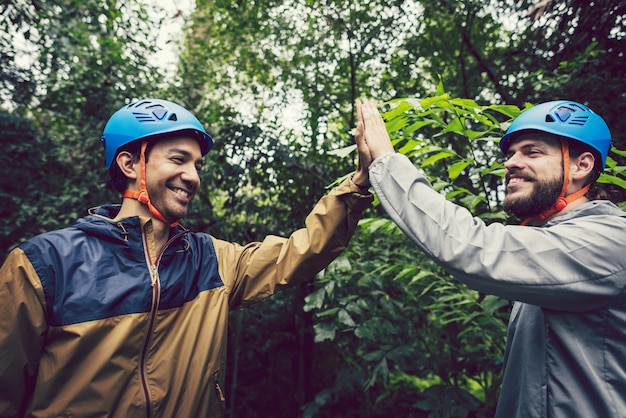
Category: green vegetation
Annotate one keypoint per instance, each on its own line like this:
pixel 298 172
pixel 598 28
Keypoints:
pixel 383 331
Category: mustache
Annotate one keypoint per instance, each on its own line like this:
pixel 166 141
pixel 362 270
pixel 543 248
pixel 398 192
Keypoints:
pixel 182 185
pixel 507 177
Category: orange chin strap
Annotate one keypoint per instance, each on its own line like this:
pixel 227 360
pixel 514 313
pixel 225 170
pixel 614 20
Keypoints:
pixel 142 194
pixel 562 201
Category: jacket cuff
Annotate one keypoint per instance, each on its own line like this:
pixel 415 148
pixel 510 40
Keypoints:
pixel 357 199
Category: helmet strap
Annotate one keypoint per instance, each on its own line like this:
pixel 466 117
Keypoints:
pixel 562 201
pixel 142 194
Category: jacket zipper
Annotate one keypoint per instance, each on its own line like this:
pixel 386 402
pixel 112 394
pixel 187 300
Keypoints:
pixel 156 298
pixel 221 399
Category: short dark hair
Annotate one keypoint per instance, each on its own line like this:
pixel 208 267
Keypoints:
pixel 596 191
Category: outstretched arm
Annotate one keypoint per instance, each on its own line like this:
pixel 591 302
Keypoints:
pixel 258 270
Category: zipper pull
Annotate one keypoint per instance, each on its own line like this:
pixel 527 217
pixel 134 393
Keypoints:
pixel 153 274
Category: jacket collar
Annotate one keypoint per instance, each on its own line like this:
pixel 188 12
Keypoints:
pixel 127 232
pixel 593 207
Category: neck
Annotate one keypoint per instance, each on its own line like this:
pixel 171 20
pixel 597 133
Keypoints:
pixel 131 207
pixel 572 205
pixel 540 221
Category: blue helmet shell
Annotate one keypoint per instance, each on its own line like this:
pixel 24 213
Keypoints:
pixel 564 118
pixel 150 118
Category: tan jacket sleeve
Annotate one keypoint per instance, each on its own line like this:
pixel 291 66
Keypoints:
pixel 260 269
pixel 22 332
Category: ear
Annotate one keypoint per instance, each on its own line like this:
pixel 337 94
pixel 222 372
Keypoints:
pixel 583 166
pixel 127 164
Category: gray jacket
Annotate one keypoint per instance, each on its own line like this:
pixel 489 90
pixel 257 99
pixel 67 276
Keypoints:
pixel 566 345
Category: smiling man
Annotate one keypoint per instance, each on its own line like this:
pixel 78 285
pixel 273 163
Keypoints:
pixel 533 183
pixel 168 180
pixel 125 313
pixel 564 267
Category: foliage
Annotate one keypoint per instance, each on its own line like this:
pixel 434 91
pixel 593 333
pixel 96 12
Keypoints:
pixel 322 55
pixel 275 82
pixel 23 196
pixel 411 329
pixel 67 65
pixel 404 332
pixel 405 329
pixel 571 49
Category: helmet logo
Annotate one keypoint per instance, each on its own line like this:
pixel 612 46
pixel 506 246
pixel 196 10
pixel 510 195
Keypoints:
pixel 565 113
pixel 154 112
pixel 159 113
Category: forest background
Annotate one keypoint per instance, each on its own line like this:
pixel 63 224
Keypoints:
pixel 383 331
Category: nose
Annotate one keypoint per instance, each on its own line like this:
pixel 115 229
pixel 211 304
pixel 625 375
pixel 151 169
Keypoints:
pixel 513 160
pixel 191 175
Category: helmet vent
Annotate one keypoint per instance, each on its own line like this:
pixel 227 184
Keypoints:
pixel 563 113
pixel 579 120
pixel 571 116
pixel 173 117
pixel 153 115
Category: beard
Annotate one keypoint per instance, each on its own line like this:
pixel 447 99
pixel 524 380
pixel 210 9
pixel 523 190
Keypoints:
pixel 167 205
pixel 542 198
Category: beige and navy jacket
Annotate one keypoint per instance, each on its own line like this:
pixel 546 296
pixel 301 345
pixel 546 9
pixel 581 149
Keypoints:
pixel 93 323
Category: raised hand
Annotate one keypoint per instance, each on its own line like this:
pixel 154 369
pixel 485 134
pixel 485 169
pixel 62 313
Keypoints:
pixel 374 140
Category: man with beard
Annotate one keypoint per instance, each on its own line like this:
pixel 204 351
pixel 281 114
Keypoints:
pixel 125 313
pixel 564 267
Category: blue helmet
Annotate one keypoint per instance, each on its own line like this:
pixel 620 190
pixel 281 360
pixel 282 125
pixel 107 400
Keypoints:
pixel 567 119
pixel 150 118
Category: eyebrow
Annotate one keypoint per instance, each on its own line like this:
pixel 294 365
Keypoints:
pixel 181 151
pixel 532 143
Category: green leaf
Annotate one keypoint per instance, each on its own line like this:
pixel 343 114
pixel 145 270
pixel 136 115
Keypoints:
pixel 343 152
pixel 621 153
pixel 345 318
pixel 609 179
pixel 457 168
pixel 324 331
pixel 432 101
pixel 398 111
pixel 439 156
pixel 396 124
pixel 415 126
pixel 492 303
pixel 314 300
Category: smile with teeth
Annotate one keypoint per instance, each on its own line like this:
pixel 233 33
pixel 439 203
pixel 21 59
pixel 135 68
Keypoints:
pixel 181 192
pixel 516 180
